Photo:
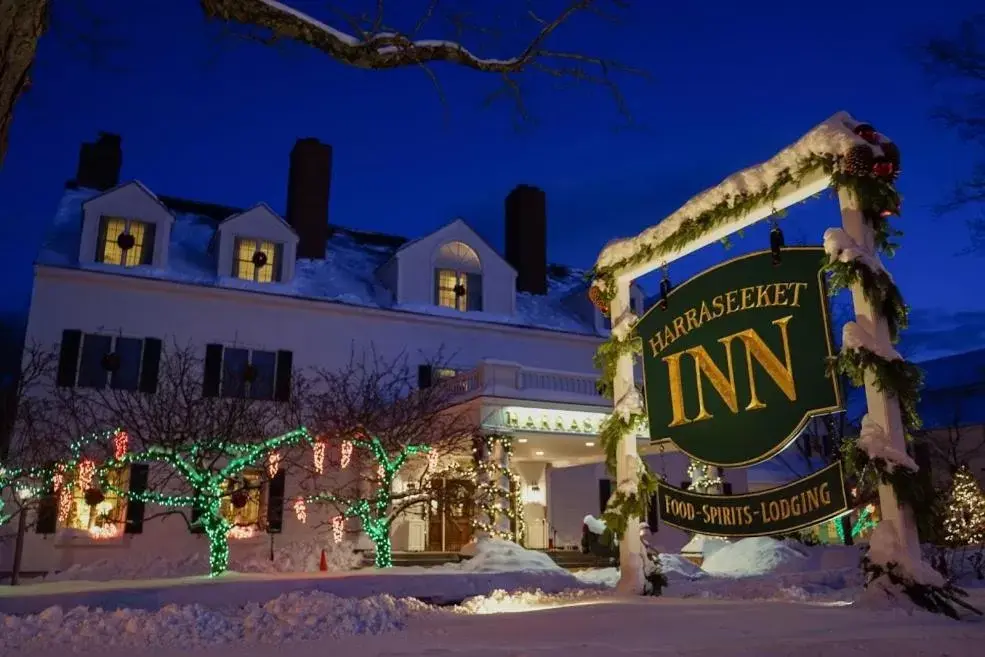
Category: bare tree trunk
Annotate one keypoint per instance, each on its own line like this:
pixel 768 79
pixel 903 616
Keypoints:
pixel 22 22
pixel 15 566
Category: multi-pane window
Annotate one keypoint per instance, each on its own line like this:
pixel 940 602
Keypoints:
pixel 257 260
pixel 457 277
pixel 241 500
pixel 250 373
pixel 110 360
pixel 125 242
pixel 100 508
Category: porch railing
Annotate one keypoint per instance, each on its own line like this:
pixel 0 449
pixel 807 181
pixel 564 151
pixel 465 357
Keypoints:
pixel 508 379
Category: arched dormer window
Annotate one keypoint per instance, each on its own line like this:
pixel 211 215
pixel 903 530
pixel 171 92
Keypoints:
pixel 457 277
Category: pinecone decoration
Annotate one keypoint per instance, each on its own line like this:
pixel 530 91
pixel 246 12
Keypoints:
pixel 858 160
pixel 597 298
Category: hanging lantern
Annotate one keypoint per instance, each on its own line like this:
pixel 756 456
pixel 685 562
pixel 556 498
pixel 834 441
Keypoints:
pixel 273 464
pixel 346 454
pixel 301 510
pixel 94 497
pixel 121 442
pixel 318 456
pixel 776 243
pixel 665 288
pixel 338 528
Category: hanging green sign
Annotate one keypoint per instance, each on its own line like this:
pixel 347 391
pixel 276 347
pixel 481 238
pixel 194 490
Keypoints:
pixel 805 502
pixel 734 365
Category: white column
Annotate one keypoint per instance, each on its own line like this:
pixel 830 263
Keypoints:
pixel 883 408
pixel 631 579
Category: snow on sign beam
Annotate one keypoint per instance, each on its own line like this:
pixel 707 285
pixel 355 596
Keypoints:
pixel 832 137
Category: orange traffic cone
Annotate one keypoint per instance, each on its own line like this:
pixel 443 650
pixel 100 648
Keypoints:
pixel 323 564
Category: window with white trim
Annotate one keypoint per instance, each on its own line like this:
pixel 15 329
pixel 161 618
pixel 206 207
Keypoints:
pixel 257 260
pixel 125 242
pixel 457 277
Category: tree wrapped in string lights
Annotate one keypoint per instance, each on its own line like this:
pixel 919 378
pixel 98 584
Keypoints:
pixel 381 428
pixel 206 470
pixel 197 432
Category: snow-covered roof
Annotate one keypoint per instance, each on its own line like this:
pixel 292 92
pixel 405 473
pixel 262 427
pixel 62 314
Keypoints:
pixel 834 136
pixel 346 275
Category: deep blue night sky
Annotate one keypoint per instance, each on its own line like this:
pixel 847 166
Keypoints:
pixel 212 117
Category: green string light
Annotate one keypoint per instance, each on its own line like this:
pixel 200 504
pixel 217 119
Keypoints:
pixel 205 482
pixel 374 512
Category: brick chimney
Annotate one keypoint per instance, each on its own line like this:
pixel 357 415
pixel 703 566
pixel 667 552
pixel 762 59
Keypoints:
pixel 99 163
pixel 526 237
pixel 309 181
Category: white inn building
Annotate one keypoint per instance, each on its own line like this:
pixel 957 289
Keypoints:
pixel 126 270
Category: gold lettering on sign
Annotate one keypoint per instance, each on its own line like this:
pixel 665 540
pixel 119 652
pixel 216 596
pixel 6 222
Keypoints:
pixel 780 372
pixel 769 295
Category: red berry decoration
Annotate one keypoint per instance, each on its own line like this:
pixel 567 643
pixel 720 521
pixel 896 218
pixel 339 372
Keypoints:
pixel 884 168
pixel 239 499
pixel 94 497
pixel 598 300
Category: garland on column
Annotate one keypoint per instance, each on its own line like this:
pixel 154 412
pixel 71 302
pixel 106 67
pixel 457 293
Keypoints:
pixel 868 172
pixel 496 502
pixel 628 415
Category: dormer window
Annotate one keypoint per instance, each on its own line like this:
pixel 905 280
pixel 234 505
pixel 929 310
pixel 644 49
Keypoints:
pixel 257 260
pixel 458 277
pixel 125 242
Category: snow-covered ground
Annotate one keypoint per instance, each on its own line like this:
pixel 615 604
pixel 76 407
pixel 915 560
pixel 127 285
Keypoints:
pixel 757 597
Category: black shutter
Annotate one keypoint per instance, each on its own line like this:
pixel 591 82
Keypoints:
pixel 473 290
pixel 196 514
pixel 275 502
pixel 605 492
pixel 100 254
pixel 282 384
pixel 726 488
pixel 150 365
pixel 47 521
pixel 68 357
pixel 652 521
pixel 213 370
pixel 424 374
pixel 135 508
pixel 278 262
pixel 437 287
pixel 147 249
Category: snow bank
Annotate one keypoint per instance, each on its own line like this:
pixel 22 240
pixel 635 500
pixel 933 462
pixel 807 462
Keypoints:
pixel 675 567
pixel 297 557
pixel 502 602
pixel 494 555
pixel 293 616
pixel 755 556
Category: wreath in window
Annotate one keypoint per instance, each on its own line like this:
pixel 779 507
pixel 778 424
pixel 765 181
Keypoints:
pixel 125 241
pixel 250 373
pixel 94 497
pixel 239 498
pixel 111 362
pixel 459 290
pixel 259 259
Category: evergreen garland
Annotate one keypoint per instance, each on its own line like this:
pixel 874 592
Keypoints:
pixel 877 286
pixel 897 377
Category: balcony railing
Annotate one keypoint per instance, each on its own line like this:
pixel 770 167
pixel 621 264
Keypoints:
pixel 507 379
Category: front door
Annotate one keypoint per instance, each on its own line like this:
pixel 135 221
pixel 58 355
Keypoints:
pixel 450 520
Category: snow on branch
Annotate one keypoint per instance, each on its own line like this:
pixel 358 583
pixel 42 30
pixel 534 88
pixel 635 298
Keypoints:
pixel 875 443
pixel 371 45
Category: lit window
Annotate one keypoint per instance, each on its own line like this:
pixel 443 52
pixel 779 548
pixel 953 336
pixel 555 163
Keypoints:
pixel 241 500
pixel 444 373
pixel 257 260
pixel 101 509
pixel 125 242
pixel 457 277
